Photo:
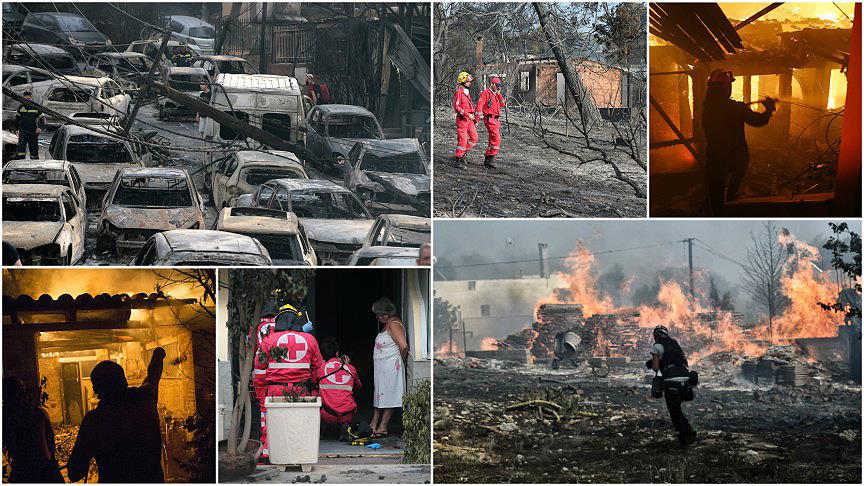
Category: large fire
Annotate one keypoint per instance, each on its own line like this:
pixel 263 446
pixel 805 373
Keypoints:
pixel 711 330
pixel 94 281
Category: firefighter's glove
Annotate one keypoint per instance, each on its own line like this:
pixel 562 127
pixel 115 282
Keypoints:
pixel 159 353
pixel 770 104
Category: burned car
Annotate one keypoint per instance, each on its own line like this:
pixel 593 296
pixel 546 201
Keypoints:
pixel 143 202
pixel 335 220
pixel 244 171
pixel 390 235
pixel 72 31
pixel 279 231
pixel 96 157
pixel 41 56
pixel 150 48
pixel 45 223
pixel 58 172
pixel 218 64
pixel 332 130
pixel 384 256
pixel 20 79
pixel 78 94
pixel 390 175
pixel 10 146
pixel 187 80
pixel 198 248
pixel 129 69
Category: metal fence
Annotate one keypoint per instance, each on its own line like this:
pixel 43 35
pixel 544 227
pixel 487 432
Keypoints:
pixel 289 43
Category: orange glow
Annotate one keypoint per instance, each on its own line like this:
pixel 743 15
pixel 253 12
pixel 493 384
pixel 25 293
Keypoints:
pixel 837 90
pixel 792 12
pixel 93 281
pixel 489 344
pixel 581 284
pixel 446 350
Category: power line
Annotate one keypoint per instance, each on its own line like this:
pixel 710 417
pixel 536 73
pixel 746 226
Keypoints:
pixel 532 260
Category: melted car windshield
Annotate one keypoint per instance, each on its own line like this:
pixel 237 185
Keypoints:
pixel 352 126
pixel 280 247
pixel 408 237
pixel 35 176
pixel 70 95
pixel 257 177
pixel 153 192
pixel 29 210
pixel 94 150
pixel 407 163
pixel 71 23
pixel 327 205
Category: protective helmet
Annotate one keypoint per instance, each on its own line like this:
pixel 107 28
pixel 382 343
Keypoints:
pixel 661 331
pixel 464 77
pixel 719 78
pixel 495 80
pixel 289 319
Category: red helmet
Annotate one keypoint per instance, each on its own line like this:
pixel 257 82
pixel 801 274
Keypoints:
pixel 495 80
pixel 719 78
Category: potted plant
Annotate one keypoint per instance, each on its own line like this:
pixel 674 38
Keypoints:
pixel 293 430
pixel 250 288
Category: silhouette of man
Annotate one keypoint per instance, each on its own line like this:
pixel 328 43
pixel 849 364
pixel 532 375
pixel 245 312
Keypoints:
pixel 123 432
pixel 727 154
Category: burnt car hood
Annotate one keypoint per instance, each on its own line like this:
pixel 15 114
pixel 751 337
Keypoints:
pixel 350 231
pixel 163 219
pixel 99 173
pixel 31 234
pixel 342 145
pixel 411 184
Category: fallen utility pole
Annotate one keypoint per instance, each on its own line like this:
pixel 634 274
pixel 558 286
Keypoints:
pixel 231 122
pixel 130 119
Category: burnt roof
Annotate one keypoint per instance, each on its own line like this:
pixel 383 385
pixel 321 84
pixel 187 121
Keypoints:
pixel 141 300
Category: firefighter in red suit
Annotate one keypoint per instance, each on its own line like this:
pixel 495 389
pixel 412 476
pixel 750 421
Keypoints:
pixel 489 109
pixel 466 121
pixel 292 356
pixel 337 382
pixel 259 378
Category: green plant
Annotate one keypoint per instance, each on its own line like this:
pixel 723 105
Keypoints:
pixel 846 260
pixel 417 420
pixel 202 466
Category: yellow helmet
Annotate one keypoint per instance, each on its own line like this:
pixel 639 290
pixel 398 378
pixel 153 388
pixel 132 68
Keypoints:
pixel 463 77
pixel 290 308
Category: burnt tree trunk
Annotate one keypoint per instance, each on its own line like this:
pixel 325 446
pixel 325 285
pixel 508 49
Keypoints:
pixel 584 104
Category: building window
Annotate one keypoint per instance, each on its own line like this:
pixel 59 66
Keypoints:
pixel 524 81
pixel 484 310
pixel 472 285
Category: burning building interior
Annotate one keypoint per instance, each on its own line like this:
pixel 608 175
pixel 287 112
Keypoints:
pixel 806 161
pixel 58 325
pixel 780 328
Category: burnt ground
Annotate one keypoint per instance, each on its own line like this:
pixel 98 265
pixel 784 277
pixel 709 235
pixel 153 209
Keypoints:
pixel 611 431
pixel 531 180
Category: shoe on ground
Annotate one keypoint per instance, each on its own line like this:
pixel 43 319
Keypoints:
pixel 489 161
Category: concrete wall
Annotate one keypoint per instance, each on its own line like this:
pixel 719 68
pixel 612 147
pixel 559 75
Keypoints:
pixel 510 303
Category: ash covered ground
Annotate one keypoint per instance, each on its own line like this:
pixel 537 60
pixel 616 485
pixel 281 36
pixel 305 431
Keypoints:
pixel 531 180
pixel 609 429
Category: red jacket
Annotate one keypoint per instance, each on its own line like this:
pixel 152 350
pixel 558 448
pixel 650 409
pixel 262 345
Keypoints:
pixel 490 103
pixel 337 389
pixel 300 360
pixel 265 327
pixel 462 104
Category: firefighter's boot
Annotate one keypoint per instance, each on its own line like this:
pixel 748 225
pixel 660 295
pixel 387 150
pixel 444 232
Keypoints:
pixel 489 162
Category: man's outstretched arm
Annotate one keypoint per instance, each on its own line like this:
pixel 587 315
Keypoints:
pixel 154 372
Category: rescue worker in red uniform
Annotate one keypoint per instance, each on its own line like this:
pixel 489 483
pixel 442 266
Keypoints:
pixel 292 355
pixel 259 378
pixel 489 107
pixel 727 154
pixel 466 120
pixel 337 382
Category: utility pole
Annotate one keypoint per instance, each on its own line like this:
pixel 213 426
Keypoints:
pixel 464 339
pixel 262 60
pixel 689 242
pixel 130 119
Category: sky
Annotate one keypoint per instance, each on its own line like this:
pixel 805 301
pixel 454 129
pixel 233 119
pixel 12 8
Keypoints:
pixel 460 242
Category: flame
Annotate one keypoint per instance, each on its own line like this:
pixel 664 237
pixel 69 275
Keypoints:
pixel 448 350
pixel 702 329
pixel 489 344
pixel 836 90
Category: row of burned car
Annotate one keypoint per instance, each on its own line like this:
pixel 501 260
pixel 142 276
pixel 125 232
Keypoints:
pixel 271 212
